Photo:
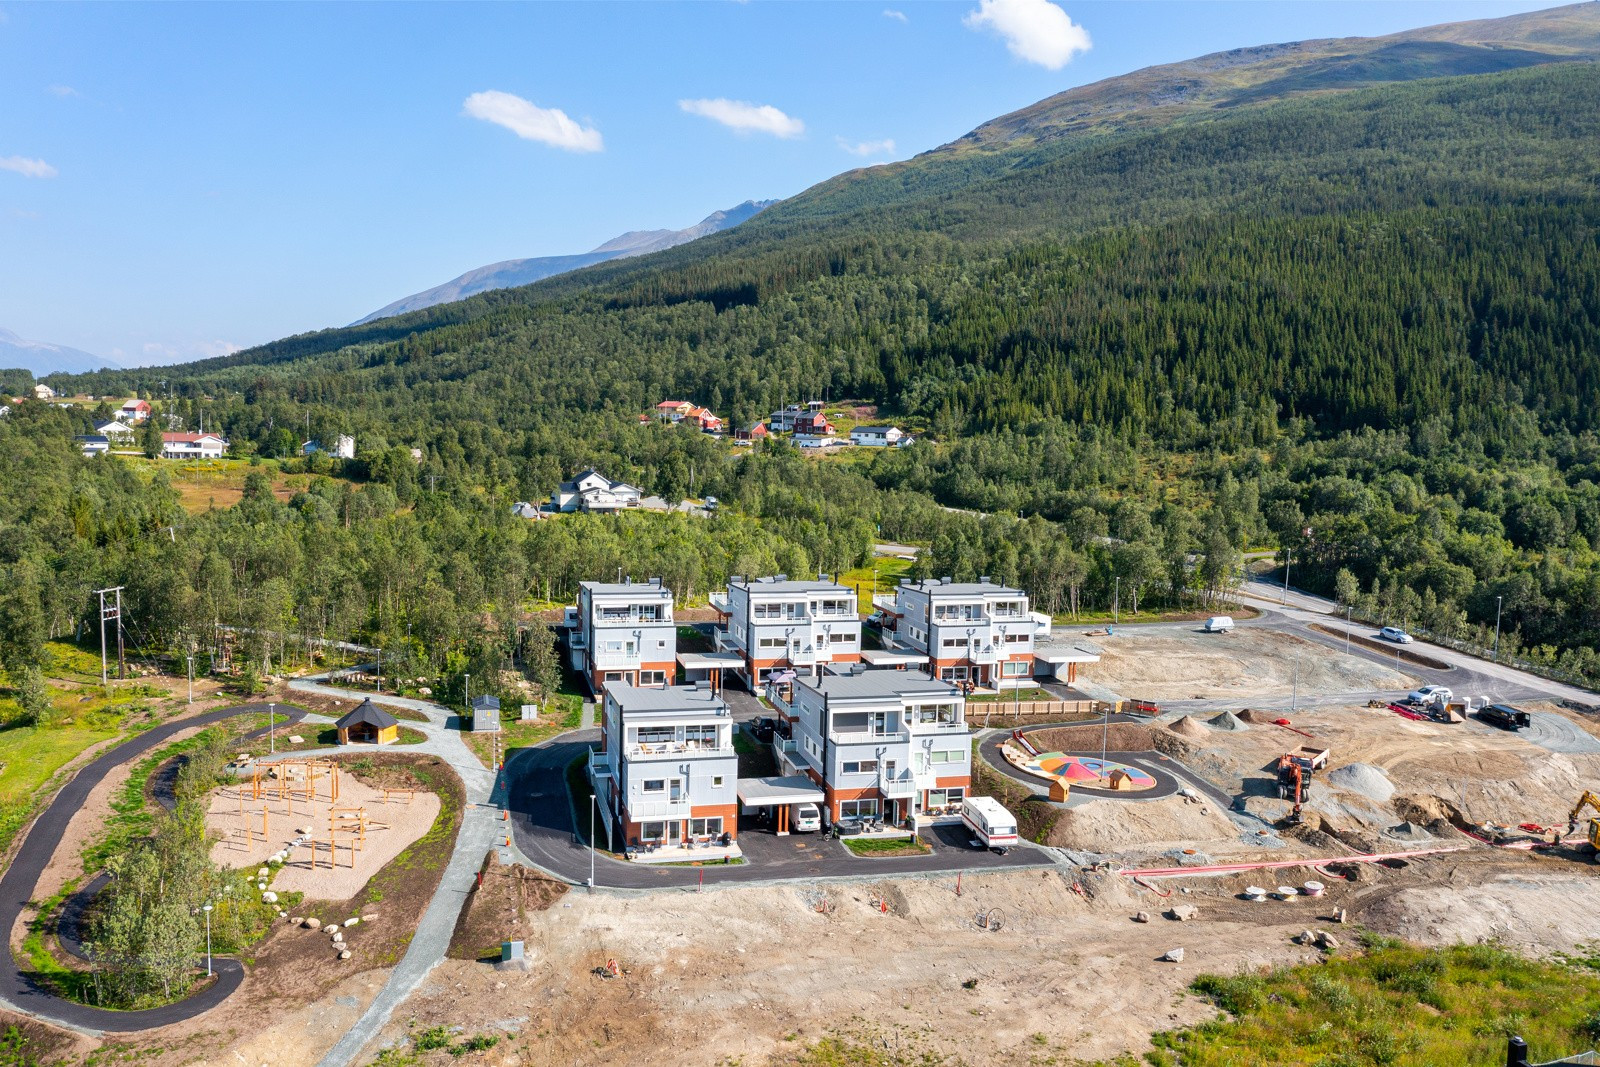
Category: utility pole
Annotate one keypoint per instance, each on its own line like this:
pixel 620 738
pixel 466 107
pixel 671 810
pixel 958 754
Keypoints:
pixel 1116 602
pixel 191 678
pixel 1288 560
pixel 594 804
pixel 106 615
pixel 1497 604
pixel 1347 629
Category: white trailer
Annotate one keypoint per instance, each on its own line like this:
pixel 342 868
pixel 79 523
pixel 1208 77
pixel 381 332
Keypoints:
pixel 990 823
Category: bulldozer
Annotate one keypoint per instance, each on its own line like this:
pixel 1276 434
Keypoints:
pixel 1588 800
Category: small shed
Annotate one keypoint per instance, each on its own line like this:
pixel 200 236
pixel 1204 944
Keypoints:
pixel 485 714
pixel 367 724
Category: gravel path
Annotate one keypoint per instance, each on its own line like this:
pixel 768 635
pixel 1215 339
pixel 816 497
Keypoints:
pixel 1557 733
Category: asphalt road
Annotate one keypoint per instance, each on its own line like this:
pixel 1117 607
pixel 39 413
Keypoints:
pixel 17 991
pixel 541 820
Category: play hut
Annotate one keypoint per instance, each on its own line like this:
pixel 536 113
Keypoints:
pixel 368 724
pixel 485 714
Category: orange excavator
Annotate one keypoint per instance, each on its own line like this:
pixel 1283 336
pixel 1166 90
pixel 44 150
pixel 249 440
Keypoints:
pixel 1588 800
pixel 1294 783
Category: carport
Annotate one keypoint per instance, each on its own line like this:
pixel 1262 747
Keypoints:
pixel 1050 660
pixel 708 666
pixel 781 793
pixel 892 659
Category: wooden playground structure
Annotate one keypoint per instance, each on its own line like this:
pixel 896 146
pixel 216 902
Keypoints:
pixel 303 812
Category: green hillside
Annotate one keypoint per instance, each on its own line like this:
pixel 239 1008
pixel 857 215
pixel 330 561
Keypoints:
pixel 1375 313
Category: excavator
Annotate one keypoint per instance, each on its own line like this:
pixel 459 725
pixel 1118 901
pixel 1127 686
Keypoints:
pixel 1588 800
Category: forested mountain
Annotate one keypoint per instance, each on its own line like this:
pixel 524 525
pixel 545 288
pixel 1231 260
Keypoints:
pixel 1374 314
pixel 514 272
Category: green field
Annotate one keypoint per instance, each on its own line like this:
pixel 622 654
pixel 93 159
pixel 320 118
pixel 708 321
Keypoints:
pixel 29 757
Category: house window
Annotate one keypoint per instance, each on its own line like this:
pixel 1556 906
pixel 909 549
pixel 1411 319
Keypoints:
pixel 866 766
pixel 655 785
pixel 661 644
pixel 703 734
pixel 949 757
pixel 652 677
pixel 953 674
pixel 771 642
pixel 653 832
pixel 716 781
pixel 842 639
pixel 705 827
pixel 954 642
pixel 1016 639
pixel 857 808
pixel 1014 668
pixel 615 676
pixel 656 735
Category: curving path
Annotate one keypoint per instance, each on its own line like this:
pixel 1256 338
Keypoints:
pixel 20 993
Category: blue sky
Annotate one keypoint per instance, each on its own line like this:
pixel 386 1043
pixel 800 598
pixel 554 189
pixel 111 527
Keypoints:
pixel 177 180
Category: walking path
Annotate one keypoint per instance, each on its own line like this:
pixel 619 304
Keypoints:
pixel 480 832
pixel 17 991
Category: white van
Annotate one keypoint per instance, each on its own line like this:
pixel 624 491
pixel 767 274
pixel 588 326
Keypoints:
pixel 807 819
pixel 1218 624
pixel 991 824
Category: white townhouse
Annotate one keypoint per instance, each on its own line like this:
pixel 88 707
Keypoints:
pixel 666 768
pixel 623 632
pixel 879 436
pixel 892 745
pixel 593 491
pixel 979 633
pixel 193 446
pixel 777 624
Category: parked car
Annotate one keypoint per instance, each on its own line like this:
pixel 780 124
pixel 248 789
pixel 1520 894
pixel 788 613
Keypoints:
pixel 1505 716
pixel 807 819
pixel 764 728
pixel 1218 624
pixel 991 825
pixel 1429 694
pixel 1395 634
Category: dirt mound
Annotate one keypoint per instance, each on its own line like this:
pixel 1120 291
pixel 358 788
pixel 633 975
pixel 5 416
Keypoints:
pixel 1436 814
pixel 1109 826
pixel 1365 779
pixel 1121 737
pixel 1407 831
pixel 1228 721
pixel 1188 727
pixel 1260 718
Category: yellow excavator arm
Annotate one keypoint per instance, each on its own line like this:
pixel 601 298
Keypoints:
pixel 1588 800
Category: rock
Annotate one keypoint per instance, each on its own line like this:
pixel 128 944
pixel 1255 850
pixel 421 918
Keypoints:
pixel 351 922
pixel 1338 915
pixel 261 887
pixel 297 920
pixel 337 937
pixel 1184 912
pixel 282 913
pixel 1326 940
pixel 1174 956
pixel 1141 916
pixel 262 873
pixel 1304 937
pixel 269 897
pixel 371 916
pixel 306 831
pixel 345 954
pixel 313 924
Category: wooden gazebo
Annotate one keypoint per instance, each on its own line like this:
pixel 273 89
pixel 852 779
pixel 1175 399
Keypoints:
pixel 368 724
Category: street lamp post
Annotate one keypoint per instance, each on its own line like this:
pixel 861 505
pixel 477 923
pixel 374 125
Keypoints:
pixel 191 679
pixel 1347 629
pixel 378 688
pixel 1497 605
pixel 1288 561
pixel 272 729
pixel 1116 602
pixel 594 805
pixel 1105 738
pixel 207 910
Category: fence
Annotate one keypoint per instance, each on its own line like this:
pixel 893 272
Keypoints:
pixel 1002 712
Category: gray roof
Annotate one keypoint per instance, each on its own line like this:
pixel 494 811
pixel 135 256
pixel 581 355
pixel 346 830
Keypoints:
pixel 679 698
pixel 934 587
pixel 874 429
pixel 486 703
pixel 870 684
pixel 816 585
pixel 369 713
pixel 628 589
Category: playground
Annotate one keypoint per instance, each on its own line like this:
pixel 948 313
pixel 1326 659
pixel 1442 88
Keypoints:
pixel 1091 772
pixel 330 831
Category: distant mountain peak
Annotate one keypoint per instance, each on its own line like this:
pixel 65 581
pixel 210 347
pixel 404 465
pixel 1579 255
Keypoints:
pixel 514 272
pixel 41 357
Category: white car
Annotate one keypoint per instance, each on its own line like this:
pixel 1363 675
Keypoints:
pixel 1395 634
pixel 1429 694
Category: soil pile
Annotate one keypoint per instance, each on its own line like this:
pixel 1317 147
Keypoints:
pixel 1188 727
pixel 1437 815
pixel 1110 826
pixel 1365 779
pixel 1260 718
pixel 1408 831
pixel 1228 721
pixel 1120 737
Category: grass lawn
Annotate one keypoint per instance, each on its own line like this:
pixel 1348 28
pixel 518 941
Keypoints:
pixel 890 570
pixel 218 483
pixel 875 846
pixel 1010 697
pixel 29 757
pixel 1393 1004
pixel 563 713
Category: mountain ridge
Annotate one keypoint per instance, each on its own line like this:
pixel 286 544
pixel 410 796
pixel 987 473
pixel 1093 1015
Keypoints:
pixel 511 273
pixel 40 358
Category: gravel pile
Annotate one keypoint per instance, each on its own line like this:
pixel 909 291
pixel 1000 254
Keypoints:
pixel 1365 779
pixel 1408 831
pixel 1228 721
pixel 1188 727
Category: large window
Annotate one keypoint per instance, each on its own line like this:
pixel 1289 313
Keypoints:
pixel 655 785
pixel 705 827
pixel 652 677
pixel 931 713
pixel 1014 668
pixel 705 735
pixel 865 766
pixel 842 639
pixel 955 756
pixel 657 735
pixel 855 809
pixel 941 798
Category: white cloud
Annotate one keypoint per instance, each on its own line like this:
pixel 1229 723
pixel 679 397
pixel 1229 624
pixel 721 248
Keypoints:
pixel 28 168
pixel 64 90
pixel 746 118
pixel 898 16
pixel 884 147
pixel 533 123
pixel 1035 30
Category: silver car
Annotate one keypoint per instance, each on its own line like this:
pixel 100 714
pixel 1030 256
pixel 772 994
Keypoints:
pixel 1395 634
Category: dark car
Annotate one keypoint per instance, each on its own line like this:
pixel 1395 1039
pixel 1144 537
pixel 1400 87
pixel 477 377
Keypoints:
pixel 1505 716
pixel 764 729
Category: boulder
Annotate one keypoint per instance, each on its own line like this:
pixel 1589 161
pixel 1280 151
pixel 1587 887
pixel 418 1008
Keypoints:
pixel 313 924
pixel 337 937
pixel 269 897
pixel 345 954
pixel 370 916
pixel 1183 912
pixel 351 922
pixel 297 920
pixel 1326 940
pixel 1304 937
pixel 1141 916
pixel 1174 956
pixel 262 873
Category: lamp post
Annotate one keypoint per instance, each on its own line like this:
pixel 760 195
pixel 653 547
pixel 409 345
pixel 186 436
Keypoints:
pixel 378 688
pixel 272 729
pixel 1105 737
pixel 594 805
pixel 1497 604
pixel 1116 601
pixel 1288 561
pixel 207 910
pixel 191 679
pixel 1347 629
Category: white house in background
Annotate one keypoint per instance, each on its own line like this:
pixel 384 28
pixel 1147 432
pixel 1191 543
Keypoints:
pixel 43 392
pixel 878 436
pixel 891 745
pixel 344 447
pixel 524 510
pixel 134 410
pixel 594 492
pixel 118 431
pixel 776 624
pixel 193 446
pixel 666 770
pixel 980 632
pixel 623 632
pixel 93 444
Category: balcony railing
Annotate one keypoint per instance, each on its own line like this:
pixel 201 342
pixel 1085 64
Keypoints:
pixel 605 660
pixel 659 809
pixel 940 727
pixel 676 750
pixel 867 737
pixel 632 618
pixel 899 787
